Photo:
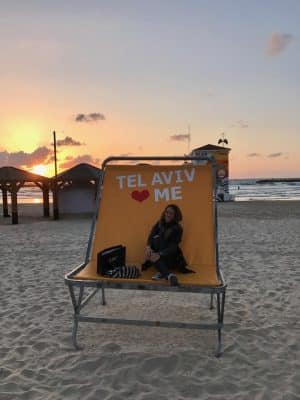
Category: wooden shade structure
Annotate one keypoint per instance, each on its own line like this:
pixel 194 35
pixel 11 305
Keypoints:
pixel 79 173
pixel 73 182
pixel 12 180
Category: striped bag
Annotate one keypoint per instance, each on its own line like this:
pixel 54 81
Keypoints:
pixel 125 272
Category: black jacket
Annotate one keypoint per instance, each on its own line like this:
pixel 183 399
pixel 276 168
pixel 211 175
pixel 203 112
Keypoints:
pixel 165 238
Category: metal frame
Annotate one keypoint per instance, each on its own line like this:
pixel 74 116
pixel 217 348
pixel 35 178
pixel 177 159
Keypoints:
pixel 80 301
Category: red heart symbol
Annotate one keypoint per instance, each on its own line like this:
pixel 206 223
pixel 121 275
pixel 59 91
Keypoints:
pixel 140 195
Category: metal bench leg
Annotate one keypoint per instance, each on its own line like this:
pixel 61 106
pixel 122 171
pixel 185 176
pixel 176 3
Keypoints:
pixel 74 333
pixel 220 309
pixel 211 306
pixel 103 295
pixel 76 306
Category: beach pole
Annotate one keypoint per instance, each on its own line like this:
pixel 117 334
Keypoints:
pixel 14 204
pixel 46 199
pixel 5 202
pixel 55 194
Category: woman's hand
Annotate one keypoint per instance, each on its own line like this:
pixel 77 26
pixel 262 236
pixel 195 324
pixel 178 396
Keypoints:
pixel 148 253
pixel 154 257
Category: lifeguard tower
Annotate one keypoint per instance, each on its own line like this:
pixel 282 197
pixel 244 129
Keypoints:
pixel 221 156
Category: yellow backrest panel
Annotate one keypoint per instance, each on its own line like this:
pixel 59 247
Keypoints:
pixel 133 198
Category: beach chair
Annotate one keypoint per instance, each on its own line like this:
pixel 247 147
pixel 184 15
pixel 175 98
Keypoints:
pixel 131 199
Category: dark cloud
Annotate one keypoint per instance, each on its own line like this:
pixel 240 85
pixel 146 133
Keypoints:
pixel 86 158
pixel 22 159
pixel 96 117
pixel 274 155
pixel 253 155
pixel 181 137
pixel 68 141
pixel 278 42
pixel 92 117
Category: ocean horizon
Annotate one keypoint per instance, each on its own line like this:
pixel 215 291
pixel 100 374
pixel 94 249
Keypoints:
pixel 240 189
pixel 265 189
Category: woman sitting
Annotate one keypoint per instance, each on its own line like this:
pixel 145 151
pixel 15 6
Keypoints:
pixel 163 249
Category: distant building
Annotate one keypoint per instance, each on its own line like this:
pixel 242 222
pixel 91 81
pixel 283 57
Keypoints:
pixel 77 189
pixel 221 155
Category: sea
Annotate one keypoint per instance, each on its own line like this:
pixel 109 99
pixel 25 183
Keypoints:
pixel 240 189
pixel 253 189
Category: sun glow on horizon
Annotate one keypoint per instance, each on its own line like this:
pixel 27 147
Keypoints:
pixel 40 169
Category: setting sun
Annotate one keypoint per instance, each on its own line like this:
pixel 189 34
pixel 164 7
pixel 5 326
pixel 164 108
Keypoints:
pixel 40 169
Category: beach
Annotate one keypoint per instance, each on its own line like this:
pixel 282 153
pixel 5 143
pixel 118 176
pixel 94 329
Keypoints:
pixel 259 254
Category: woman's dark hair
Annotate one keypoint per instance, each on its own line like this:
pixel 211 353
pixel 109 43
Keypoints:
pixel 177 213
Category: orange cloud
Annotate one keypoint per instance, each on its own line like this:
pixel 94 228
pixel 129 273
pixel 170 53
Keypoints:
pixel 278 42
pixel 22 159
pixel 68 141
pixel 92 117
pixel 86 158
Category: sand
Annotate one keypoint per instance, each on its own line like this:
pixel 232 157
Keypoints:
pixel 259 249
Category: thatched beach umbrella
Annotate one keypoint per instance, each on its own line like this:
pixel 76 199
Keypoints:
pixel 12 180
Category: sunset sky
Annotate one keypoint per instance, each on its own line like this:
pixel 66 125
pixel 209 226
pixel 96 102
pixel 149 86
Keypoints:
pixel 128 77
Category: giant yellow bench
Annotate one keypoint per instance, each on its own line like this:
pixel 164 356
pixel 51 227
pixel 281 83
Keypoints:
pixel 131 199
